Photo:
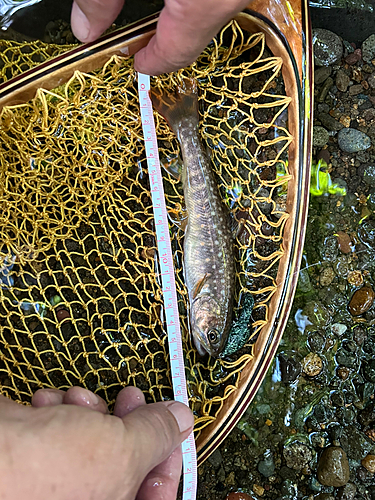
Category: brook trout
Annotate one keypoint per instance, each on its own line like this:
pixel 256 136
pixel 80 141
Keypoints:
pixel 208 244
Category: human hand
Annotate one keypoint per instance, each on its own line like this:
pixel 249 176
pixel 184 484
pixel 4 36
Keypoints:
pixel 184 29
pixel 67 446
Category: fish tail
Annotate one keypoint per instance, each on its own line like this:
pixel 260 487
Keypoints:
pixel 179 106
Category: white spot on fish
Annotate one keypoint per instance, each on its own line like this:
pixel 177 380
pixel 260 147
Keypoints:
pixel 208 259
pixel 221 271
pixel 222 281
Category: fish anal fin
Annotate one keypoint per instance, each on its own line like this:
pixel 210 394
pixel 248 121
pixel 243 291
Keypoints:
pixel 200 285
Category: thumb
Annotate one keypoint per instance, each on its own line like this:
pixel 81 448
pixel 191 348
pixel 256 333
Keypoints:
pixel 153 432
pixel 90 18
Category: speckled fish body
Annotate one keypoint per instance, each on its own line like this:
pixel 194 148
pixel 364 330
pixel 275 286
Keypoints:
pixel 208 243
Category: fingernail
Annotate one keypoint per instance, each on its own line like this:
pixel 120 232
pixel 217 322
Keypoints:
pixel 52 397
pixel 90 398
pixel 183 415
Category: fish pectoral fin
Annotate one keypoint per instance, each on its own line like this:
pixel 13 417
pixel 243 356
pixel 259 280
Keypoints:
pixel 200 285
pixel 178 216
pixel 174 168
pixel 236 227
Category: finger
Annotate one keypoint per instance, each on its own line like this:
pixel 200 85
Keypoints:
pixel 184 29
pixel 90 18
pixel 79 396
pixel 153 432
pixel 128 399
pixel 162 482
pixel 47 397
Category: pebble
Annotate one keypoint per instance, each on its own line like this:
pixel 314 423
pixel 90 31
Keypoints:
pixel 238 495
pixel 320 136
pixel 354 57
pixel 329 122
pixel 267 466
pixel 344 242
pixel 321 74
pixel 347 492
pixel 339 329
pixel 328 47
pixel 355 278
pixel 327 275
pixel 369 463
pixel 323 155
pixel 215 459
pixel 366 232
pixel 312 364
pixel 371 80
pixel 62 314
pixel 258 490
pixel 343 372
pixel 369 175
pixel 333 467
pixel 368 49
pixel 355 89
pixel 352 140
pixel 290 367
pixel 297 455
pixel 361 301
pixel 342 80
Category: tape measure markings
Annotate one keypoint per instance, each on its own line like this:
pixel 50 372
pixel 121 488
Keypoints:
pixel 168 279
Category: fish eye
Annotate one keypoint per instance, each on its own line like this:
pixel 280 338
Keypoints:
pixel 213 336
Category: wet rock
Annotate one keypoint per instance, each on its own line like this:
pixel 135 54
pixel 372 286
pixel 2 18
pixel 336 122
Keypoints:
pixel 355 278
pixel 314 484
pixel 369 463
pixel 342 80
pixel 329 122
pixel 355 443
pixel 367 416
pixel 371 80
pixel 339 329
pixel 368 368
pixel 327 275
pixel 297 455
pixel 354 57
pixel 316 342
pixel 321 74
pixel 317 314
pixel 312 364
pixel 344 242
pixel 215 459
pixel 361 301
pixel 369 175
pixel 368 49
pixel 328 47
pixel 320 137
pixel 267 466
pixel 359 334
pixel 333 467
pixel 323 155
pixel 330 248
pixel 366 232
pixel 324 90
pixel 238 495
pixel 304 283
pixel 290 367
pixel 371 201
pixel 352 140
pixel 258 490
pixel 355 89
pixel 343 372
pixel 347 492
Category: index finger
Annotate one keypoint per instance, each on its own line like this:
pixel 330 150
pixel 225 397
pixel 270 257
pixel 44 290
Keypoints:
pixel 184 29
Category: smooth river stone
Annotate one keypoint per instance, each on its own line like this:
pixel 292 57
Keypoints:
pixel 361 301
pixel 333 467
pixel 352 140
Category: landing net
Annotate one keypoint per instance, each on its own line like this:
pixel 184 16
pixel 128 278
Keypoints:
pixel 80 296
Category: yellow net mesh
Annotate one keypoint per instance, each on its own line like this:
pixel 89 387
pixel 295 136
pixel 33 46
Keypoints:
pixel 80 297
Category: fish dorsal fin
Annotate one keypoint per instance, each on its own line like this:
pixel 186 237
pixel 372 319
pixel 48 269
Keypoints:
pixel 200 285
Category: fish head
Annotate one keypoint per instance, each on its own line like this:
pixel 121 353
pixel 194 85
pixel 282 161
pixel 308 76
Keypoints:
pixel 209 325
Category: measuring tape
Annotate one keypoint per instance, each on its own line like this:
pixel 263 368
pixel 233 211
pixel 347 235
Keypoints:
pixel 189 456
